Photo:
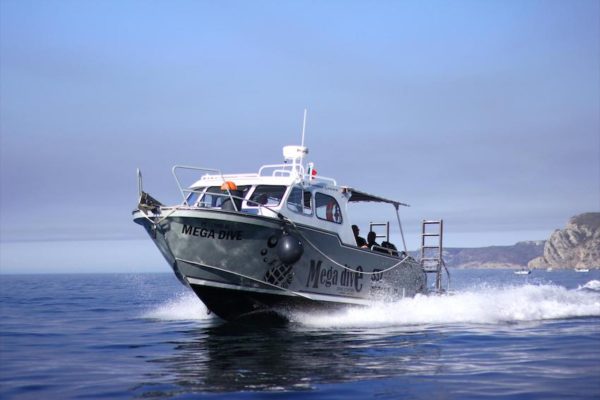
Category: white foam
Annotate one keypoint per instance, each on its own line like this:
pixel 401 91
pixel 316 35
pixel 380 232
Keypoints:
pixel 594 284
pixel 485 305
pixel 184 306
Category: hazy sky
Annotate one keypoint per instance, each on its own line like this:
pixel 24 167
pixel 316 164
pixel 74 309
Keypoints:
pixel 484 113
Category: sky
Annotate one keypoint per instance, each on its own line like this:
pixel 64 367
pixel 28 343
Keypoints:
pixel 483 113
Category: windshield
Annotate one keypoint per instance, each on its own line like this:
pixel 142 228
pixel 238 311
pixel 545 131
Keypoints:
pixel 300 201
pixel 214 195
pixel 267 195
pixel 194 196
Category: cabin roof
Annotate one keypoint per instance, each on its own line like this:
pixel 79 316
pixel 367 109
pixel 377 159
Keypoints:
pixel 357 195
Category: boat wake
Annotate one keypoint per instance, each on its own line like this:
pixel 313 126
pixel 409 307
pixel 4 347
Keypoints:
pixel 484 304
pixel 481 305
pixel 593 285
pixel 184 306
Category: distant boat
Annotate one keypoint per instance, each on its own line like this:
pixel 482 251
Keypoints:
pixel 549 269
pixel 522 272
pixel 582 270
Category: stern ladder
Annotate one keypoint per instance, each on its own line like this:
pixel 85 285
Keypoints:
pixel 432 249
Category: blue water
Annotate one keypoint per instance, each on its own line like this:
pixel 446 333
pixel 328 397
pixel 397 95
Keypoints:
pixel 500 336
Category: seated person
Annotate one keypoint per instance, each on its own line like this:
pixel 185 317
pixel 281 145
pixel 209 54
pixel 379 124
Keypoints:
pixel 373 245
pixel 371 240
pixel 231 188
pixel 360 241
pixel 392 248
pixel 262 199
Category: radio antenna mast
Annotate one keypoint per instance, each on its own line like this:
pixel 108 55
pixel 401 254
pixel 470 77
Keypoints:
pixel 303 127
pixel 303 131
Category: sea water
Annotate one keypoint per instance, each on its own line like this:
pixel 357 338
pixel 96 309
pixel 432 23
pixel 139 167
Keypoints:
pixel 497 335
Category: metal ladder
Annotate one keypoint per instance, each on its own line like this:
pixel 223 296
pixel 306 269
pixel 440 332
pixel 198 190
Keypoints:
pixel 380 224
pixel 431 250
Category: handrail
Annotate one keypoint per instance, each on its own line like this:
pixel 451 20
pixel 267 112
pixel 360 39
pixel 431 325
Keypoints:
pixel 308 178
pixel 140 184
pixel 447 274
pixel 255 203
pixel 228 176
pixel 181 190
pixel 289 168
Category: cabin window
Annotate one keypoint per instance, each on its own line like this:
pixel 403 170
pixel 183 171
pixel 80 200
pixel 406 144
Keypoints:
pixel 294 202
pixel 242 191
pixel 214 196
pixel 328 208
pixel 307 203
pixel 300 201
pixel 267 195
pixel 194 196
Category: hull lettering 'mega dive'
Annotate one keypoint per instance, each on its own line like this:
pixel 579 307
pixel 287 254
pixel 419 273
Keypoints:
pixel 211 233
pixel 332 277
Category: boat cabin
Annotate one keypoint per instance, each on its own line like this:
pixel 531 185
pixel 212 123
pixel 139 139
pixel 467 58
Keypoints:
pixel 291 189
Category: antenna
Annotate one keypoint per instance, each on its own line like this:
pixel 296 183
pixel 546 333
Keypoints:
pixel 303 127
pixel 303 131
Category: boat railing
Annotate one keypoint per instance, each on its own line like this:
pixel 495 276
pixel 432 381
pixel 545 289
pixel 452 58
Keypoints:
pixel 294 170
pixel 216 176
pixel 208 177
pixel 257 207
pixel 184 191
pixel 273 170
pixel 281 170
pixel 319 179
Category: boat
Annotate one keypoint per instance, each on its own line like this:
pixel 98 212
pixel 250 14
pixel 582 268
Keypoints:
pixel 582 270
pixel 522 271
pixel 275 241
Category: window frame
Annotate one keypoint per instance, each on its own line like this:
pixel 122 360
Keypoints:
pixel 329 198
pixel 251 200
pixel 217 193
pixel 300 208
pixel 198 193
pixel 211 191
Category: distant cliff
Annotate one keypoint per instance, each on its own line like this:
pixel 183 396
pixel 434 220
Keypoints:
pixel 515 256
pixel 576 246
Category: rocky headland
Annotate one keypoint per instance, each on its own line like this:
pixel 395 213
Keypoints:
pixel 575 246
pixel 515 256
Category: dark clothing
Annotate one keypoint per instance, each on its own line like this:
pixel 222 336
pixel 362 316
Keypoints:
pixel 388 245
pixel 360 241
pixel 228 205
pixel 378 248
pixel 373 243
pixel 392 248
pixel 371 240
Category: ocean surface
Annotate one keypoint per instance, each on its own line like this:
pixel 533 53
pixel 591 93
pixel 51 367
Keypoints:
pixel 499 336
